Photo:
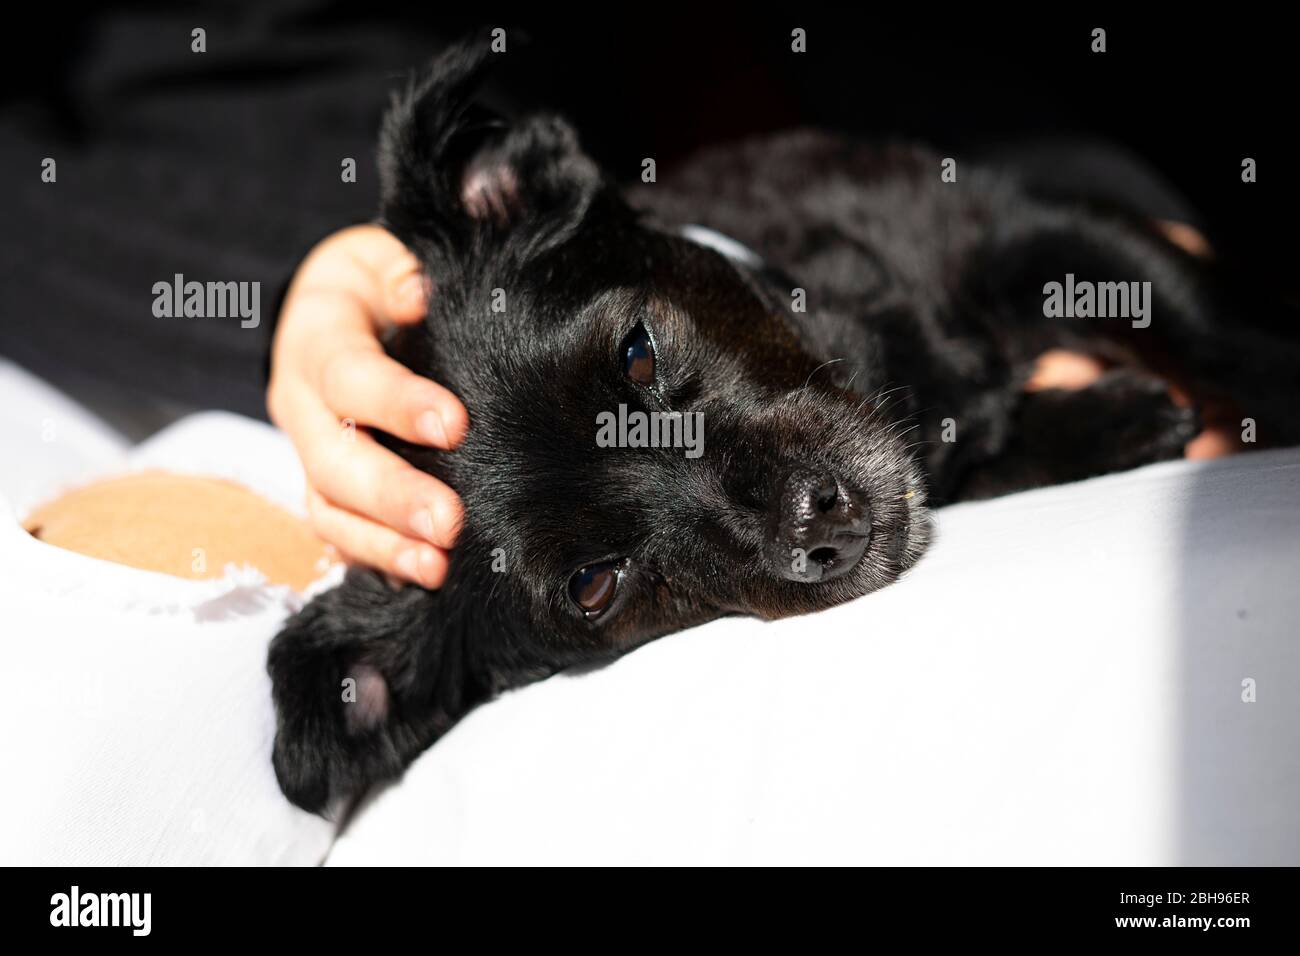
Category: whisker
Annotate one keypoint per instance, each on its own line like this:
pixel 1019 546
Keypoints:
pixel 818 369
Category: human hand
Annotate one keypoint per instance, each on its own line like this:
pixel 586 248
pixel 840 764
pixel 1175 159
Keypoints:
pixel 330 376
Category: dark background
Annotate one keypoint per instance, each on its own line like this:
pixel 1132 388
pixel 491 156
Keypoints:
pixel 225 165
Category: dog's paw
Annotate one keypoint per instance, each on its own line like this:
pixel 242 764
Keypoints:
pixel 1145 424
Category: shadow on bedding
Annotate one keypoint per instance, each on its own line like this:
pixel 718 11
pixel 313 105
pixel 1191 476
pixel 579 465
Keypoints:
pixel 1237 653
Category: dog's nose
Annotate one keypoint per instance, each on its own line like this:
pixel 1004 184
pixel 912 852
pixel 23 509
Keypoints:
pixel 820 527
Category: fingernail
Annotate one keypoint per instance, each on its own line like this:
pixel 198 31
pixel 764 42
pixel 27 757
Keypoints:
pixel 449 515
pixel 430 427
pixel 422 523
pixel 408 563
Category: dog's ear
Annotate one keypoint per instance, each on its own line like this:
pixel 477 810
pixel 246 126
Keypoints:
pixel 364 678
pixel 368 675
pixel 455 179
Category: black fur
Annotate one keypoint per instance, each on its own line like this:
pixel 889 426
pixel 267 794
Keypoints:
pixel 929 295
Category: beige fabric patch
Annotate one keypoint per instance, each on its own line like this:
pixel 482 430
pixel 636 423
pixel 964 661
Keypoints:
pixel 188 527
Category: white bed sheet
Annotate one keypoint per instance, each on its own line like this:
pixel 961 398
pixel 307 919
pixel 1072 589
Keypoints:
pixel 1059 681
pixel 137 714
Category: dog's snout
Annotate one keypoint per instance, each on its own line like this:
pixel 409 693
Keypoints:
pixel 820 527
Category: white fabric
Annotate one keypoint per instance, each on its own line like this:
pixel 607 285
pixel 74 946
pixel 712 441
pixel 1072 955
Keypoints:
pixel 137 714
pixel 732 249
pixel 47 440
pixel 1059 681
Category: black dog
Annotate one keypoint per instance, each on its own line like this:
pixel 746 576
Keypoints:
pixel 557 302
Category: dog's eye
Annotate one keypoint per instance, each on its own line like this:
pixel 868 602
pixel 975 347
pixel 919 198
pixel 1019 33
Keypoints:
pixel 639 356
pixel 592 588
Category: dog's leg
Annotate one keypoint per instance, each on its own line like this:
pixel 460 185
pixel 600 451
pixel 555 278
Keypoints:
pixel 1124 419
pixel 363 680
pixel 1217 341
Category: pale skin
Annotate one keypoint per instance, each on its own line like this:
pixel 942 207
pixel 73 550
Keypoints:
pixel 328 369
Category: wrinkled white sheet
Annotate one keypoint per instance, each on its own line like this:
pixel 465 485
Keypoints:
pixel 1059 681
pixel 137 714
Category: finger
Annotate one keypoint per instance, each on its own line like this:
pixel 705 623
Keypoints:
pixel 1214 442
pixel 406 289
pixel 368 267
pixel 366 542
pixel 1059 368
pixel 1189 239
pixel 397 291
pixel 316 325
pixel 373 389
pixel 354 472
pixel 347 365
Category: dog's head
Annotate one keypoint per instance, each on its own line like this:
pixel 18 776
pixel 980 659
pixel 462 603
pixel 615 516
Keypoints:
pixel 650 446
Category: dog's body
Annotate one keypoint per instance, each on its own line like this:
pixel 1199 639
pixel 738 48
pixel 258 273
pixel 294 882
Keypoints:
pixel 824 428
